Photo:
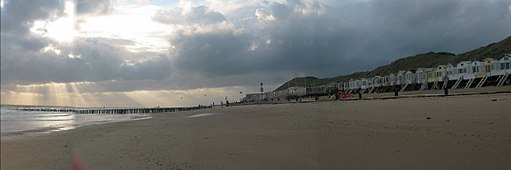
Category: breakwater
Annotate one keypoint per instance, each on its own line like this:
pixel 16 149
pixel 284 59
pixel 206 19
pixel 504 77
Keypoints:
pixel 114 110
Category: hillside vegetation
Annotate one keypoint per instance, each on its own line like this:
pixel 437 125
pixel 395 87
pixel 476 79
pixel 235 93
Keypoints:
pixel 426 60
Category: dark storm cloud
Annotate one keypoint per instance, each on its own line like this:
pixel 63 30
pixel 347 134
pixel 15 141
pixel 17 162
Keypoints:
pixel 269 41
pixel 454 25
pixel 18 15
pixel 295 37
pixel 281 37
pixel 155 69
pixel 94 60
pixel 336 37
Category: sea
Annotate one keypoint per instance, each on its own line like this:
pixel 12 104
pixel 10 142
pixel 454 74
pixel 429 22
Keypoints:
pixel 16 123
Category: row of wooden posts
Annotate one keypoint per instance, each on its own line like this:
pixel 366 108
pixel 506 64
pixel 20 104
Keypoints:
pixel 115 110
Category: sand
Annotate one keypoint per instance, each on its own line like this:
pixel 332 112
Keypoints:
pixel 458 132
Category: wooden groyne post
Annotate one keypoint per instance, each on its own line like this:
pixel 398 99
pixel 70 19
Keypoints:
pixel 115 110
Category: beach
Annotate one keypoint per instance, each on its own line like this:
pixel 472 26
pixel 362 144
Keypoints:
pixel 455 132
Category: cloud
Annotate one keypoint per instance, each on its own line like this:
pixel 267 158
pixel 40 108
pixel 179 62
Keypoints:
pixel 435 25
pixel 188 14
pixel 98 61
pixel 28 58
pixel 18 15
pixel 154 69
pixel 96 7
pixel 329 38
pixel 240 43
pixel 292 36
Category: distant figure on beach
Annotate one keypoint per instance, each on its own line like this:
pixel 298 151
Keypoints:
pixel 227 103
pixel 446 91
pixel 221 104
pixel 339 91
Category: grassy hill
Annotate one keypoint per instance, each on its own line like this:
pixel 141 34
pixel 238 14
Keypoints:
pixel 426 60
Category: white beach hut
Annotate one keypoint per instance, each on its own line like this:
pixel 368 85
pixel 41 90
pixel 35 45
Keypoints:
pixel 504 65
pixel 401 77
pixel 392 79
pixel 410 77
pixel 422 75
pixel 452 72
pixel 441 72
pixel 364 82
pixel 465 70
pixel 352 84
pixel 357 84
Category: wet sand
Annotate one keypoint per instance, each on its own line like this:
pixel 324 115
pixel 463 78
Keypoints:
pixel 458 132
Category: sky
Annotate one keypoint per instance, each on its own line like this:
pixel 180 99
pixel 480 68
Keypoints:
pixel 144 53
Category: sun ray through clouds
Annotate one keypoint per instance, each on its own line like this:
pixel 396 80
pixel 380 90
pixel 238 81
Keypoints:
pixel 62 29
pixel 61 94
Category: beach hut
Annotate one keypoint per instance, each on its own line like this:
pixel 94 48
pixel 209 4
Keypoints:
pixel 441 75
pixel 352 84
pixel 385 81
pixel 381 80
pixel 358 84
pixel 410 77
pixel 504 65
pixel 370 82
pixel 452 72
pixel 392 79
pixel 441 72
pixel 355 84
pixel 504 70
pixel 377 81
pixel 364 82
pixel 432 76
pixel 374 83
pixel 401 77
pixel 491 66
pixel 465 70
pixel 345 86
pixel 422 75
pixel 477 69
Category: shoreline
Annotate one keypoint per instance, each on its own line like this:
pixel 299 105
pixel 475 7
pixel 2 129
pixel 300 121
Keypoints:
pixel 475 132
pixel 41 131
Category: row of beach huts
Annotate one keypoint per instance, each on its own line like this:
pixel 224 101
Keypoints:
pixel 465 74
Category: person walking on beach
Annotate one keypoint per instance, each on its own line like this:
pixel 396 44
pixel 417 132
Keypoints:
pixel 396 91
